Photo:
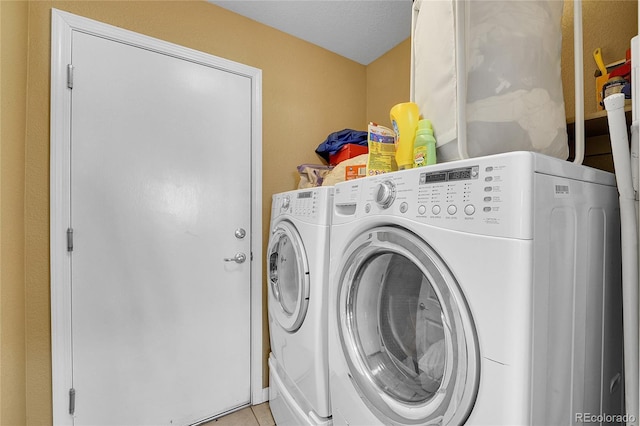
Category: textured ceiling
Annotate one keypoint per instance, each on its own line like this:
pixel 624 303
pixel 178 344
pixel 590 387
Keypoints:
pixel 361 30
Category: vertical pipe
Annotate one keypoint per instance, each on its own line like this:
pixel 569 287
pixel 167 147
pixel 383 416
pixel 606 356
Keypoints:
pixel 461 77
pixel 415 10
pixel 614 105
pixel 635 100
pixel 635 96
pixel 579 81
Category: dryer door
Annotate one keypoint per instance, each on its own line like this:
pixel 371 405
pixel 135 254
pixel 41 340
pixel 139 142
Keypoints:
pixel 406 331
pixel 288 277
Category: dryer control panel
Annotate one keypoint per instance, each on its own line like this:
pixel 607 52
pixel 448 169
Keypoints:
pixel 490 195
pixel 311 205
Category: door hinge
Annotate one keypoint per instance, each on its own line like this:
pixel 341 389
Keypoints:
pixel 69 239
pixel 70 76
pixel 72 401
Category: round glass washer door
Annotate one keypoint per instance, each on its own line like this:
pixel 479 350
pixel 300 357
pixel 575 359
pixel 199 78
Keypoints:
pixel 288 277
pixel 406 330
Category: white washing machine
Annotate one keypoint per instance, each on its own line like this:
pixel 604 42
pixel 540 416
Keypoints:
pixel 485 291
pixel 298 266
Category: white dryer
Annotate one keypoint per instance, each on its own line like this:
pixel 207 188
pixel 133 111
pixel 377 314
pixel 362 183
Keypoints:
pixel 485 291
pixel 298 266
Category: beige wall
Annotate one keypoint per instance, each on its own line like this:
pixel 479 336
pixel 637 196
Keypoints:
pixel 388 82
pixel 308 93
pixel 13 72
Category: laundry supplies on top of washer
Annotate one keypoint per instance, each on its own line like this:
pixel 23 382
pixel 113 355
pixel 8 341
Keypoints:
pixel 382 150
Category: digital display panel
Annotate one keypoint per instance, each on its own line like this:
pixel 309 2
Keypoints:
pixel 306 194
pixel 459 174
pixel 435 177
pixel 464 173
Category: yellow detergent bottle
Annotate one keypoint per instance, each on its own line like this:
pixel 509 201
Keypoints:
pixel 424 145
pixel 404 119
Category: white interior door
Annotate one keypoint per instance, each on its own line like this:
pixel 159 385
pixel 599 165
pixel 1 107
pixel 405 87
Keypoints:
pixel 160 187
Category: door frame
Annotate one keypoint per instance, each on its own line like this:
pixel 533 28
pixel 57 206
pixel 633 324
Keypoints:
pixel 62 26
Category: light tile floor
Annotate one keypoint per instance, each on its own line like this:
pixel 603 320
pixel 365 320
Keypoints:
pixel 256 415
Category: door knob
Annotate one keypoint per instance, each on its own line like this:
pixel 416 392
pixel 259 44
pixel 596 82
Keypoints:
pixel 238 258
pixel 240 233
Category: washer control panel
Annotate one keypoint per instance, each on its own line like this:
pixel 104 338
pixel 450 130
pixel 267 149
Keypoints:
pixel 447 192
pixel 490 195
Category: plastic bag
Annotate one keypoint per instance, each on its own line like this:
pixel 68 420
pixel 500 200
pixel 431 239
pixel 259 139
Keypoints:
pixel 337 140
pixel 513 93
pixel 312 175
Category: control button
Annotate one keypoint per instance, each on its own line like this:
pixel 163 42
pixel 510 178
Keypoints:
pixel 422 209
pixel 474 172
pixel 488 179
pixel 487 199
pixel 488 189
pixel 452 209
pixel 285 202
pixel 489 169
pixel 435 209
pixel 486 209
pixel 367 208
pixel 404 207
pixel 469 209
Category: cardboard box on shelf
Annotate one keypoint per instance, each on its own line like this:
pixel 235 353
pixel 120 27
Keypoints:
pixel 354 172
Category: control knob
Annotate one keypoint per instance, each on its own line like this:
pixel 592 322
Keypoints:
pixel 385 193
pixel 285 202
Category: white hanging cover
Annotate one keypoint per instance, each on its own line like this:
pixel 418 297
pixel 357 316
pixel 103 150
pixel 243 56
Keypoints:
pixel 510 51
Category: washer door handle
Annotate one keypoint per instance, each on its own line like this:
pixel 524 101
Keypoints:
pixel 238 258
